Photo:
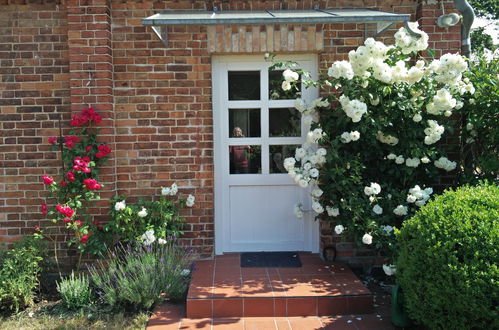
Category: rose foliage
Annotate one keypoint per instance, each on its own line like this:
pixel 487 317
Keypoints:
pixel 378 130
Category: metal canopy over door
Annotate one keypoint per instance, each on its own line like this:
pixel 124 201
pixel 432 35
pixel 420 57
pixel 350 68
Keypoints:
pixel 256 127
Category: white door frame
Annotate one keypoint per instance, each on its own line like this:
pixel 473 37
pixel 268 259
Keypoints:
pixel 220 65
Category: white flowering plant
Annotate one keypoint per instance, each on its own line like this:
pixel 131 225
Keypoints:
pixel 377 135
pixel 147 221
pixel 480 124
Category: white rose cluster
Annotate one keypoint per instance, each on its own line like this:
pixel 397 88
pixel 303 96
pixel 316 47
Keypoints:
pixel 433 132
pixel 442 103
pixel 148 237
pixel 354 109
pixel 289 77
pixel 169 191
pixel 401 210
pixel 311 160
pixel 341 69
pixel 119 206
pixel 373 189
pixel 449 68
pixel 365 57
pixel 412 162
pixel 309 112
pixel 419 196
pixel 315 135
pixel 400 73
pixel 387 139
pixel 445 164
pixel 410 43
pixel 347 137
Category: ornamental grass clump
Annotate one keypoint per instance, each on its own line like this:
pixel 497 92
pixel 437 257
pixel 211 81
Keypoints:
pixel 75 291
pixel 140 276
pixel 448 262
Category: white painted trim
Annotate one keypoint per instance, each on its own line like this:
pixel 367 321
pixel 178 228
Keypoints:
pixel 220 64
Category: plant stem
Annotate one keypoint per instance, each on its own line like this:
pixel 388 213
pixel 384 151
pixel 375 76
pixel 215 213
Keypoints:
pixel 61 144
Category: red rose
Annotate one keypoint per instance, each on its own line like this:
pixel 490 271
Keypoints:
pixel 81 164
pixel 88 148
pixel 70 140
pixel 37 228
pixel 47 179
pixel 44 209
pixel 78 121
pixel 70 176
pixel 84 239
pixel 92 184
pixel 65 210
pixel 66 220
pixel 104 150
pixel 53 140
pixel 90 115
pixel 78 223
pixel 64 183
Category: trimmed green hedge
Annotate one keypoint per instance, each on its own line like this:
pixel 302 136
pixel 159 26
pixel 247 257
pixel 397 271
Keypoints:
pixel 448 262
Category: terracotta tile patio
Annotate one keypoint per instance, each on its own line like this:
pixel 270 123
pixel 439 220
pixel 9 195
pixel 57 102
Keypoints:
pixel 318 295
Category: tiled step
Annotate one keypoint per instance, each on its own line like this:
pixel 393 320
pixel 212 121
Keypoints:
pixel 221 288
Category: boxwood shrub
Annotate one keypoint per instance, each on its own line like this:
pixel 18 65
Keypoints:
pixel 448 261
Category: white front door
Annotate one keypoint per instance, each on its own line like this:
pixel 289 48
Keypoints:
pixel 255 128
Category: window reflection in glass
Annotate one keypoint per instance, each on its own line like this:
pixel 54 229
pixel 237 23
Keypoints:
pixel 244 85
pixel 277 155
pixel 247 120
pixel 245 159
pixel 284 122
pixel 275 87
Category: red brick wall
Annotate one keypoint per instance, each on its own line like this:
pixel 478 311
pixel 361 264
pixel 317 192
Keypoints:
pixel 59 56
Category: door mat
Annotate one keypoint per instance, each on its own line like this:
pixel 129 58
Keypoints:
pixel 270 259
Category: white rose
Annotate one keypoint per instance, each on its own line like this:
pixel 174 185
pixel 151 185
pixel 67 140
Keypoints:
pixel 339 229
pixel 290 75
pixel 286 85
pixel 161 241
pixel 425 160
pixel 391 156
pixel 400 210
pixel 120 205
pixel 367 239
pixel 317 192
pixel 376 188
pixel 368 191
pixel 377 209
pixel 389 269
pixel 354 136
pixel 387 229
pixel 345 137
pixel 303 183
pixel 332 211
pixel 142 213
pixel 417 118
pixel 317 207
pixel 190 201
pixel 298 211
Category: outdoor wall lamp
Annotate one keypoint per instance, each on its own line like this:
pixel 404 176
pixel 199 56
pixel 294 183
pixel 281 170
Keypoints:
pixel 447 20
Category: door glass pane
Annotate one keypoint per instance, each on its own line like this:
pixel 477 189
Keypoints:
pixel 244 123
pixel 245 159
pixel 244 85
pixel 275 87
pixel 284 122
pixel 277 154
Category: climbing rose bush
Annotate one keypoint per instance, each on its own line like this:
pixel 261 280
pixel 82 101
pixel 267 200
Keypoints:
pixel 378 132
pixel 70 196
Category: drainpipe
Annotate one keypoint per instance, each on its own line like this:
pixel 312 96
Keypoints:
pixel 468 17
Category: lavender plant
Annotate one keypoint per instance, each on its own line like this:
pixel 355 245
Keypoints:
pixel 140 276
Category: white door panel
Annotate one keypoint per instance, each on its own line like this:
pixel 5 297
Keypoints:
pixel 254 198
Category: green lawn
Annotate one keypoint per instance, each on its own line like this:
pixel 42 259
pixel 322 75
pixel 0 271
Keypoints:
pixel 51 315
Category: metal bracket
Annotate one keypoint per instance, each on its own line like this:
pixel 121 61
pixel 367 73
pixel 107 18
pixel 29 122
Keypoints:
pixel 377 29
pixel 411 31
pixel 162 33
